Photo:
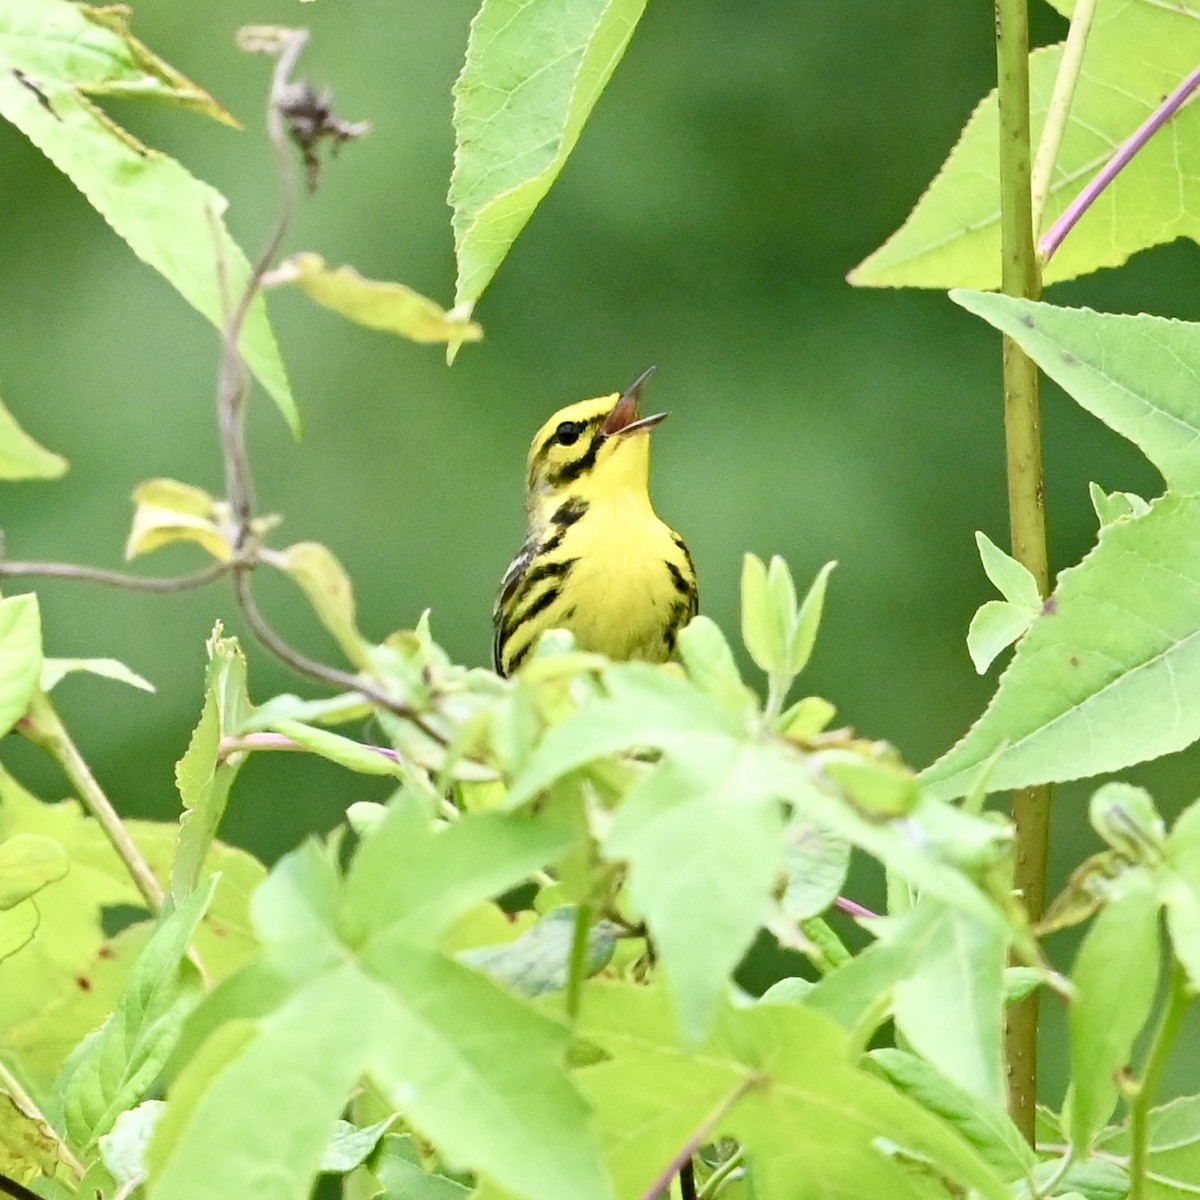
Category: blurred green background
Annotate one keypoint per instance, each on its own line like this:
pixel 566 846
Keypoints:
pixel 744 158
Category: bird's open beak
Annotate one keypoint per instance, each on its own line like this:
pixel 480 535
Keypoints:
pixel 624 416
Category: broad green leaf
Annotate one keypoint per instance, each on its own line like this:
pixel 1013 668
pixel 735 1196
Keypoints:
pixel 54 669
pixel 480 1074
pixel 411 877
pixel 201 775
pixel 1115 977
pixel 28 861
pixel 1137 53
pixel 764 626
pixel 710 665
pixel 260 1121
pixel 400 1174
pixel 537 962
pixel 808 618
pixel 377 304
pixel 987 1127
pixel 1108 674
pixel 1092 1179
pixel 705 848
pixel 324 581
pixel 65 982
pixel 55 56
pixel 1173 1151
pixel 1010 578
pixel 1115 506
pixel 806 718
pixel 777 1077
pixel 21 457
pixel 20 656
pixel 113 1068
pixel 533 71
pixel 17 927
pixel 994 627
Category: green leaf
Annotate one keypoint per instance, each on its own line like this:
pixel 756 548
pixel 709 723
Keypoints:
pixel 1011 579
pixel 415 879
pixel 54 669
pixel 987 1127
pixel 168 511
pixel 445 1057
pixel 764 626
pixel 54 56
pixel 1173 1149
pixel 399 1173
pixel 705 848
pixel 537 962
pixel 808 619
pixel 351 1145
pixel 264 1108
pixel 1115 977
pixel 534 69
pixel 994 627
pixel 201 775
pixel 20 656
pixel 21 457
pixel 710 665
pixel 324 581
pixel 1136 54
pixel 114 1068
pixel 123 1149
pixel 1180 890
pixel 346 752
pixel 1125 817
pixel 28 861
pixel 777 1077
pixel 27 1144
pixel 1115 506
pixel 377 304
pixel 17 927
pixel 815 864
pixel 1108 674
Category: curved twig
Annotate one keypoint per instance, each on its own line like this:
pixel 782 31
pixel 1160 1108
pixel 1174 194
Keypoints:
pixel 117 579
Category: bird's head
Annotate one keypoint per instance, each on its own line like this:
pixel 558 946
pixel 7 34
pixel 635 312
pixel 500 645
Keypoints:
pixel 596 447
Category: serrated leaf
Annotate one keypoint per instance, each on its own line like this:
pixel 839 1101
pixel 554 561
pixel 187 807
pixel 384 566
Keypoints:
pixel 1107 676
pixel 351 1145
pixel 54 56
pixel 377 304
pixel 20 656
pixel 202 777
pixel 1115 976
pixel 54 669
pixel 324 581
pixel 533 71
pixel 1136 54
pixel 21 457
pixel 815 866
pixel 28 861
pixel 114 1068
pixel 1173 1148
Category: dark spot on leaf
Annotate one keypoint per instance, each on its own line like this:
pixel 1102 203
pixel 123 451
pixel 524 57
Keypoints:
pixel 1049 607
pixel 83 983
pixel 1074 660
pixel 105 952
pixel 1069 359
pixel 1026 320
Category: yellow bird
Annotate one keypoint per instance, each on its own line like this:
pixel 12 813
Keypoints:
pixel 596 558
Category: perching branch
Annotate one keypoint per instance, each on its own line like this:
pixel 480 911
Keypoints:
pixel 117 579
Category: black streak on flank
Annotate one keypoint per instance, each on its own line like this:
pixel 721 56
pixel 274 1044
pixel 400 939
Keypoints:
pixel 681 584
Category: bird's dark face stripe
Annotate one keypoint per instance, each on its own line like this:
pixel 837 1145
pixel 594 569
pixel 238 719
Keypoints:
pixel 585 448
pixel 571 471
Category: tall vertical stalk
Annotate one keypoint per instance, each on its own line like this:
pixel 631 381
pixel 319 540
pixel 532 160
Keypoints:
pixel 1022 426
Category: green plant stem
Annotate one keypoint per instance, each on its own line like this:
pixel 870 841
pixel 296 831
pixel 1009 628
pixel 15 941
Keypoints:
pixel 1060 106
pixel 25 1102
pixel 717 1180
pixel 577 967
pixel 1022 426
pixel 1141 1097
pixel 42 726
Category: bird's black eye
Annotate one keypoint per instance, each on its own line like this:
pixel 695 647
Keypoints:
pixel 568 432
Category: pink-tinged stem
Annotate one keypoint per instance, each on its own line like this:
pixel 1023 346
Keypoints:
pixel 854 909
pixel 232 744
pixel 1157 119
